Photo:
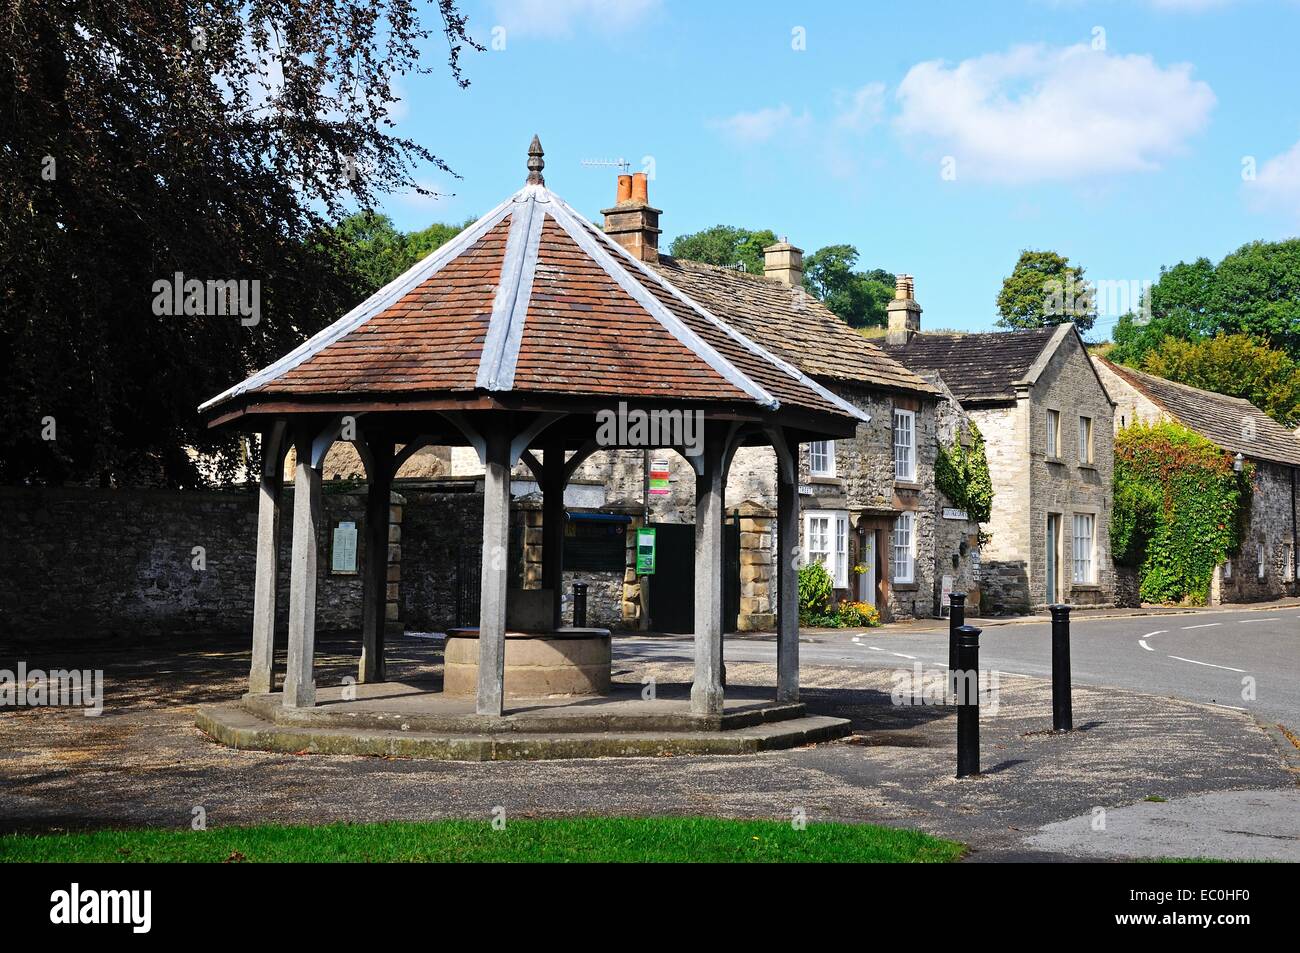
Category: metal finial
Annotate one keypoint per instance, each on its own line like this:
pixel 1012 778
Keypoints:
pixel 535 163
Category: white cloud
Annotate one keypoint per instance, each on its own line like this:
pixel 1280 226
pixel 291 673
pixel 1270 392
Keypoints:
pixel 561 17
pixel 1039 113
pixel 861 109
pixel 1277 183
pixel 751 128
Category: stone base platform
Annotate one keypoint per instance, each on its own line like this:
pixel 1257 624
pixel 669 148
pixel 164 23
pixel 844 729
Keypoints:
pixel 409 720
pixel 567 661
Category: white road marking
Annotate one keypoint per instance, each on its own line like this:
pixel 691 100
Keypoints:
pixel 901 655
pixel 1143 643
pixel 1208 664
pixel 876 648
pixel 1233 707
pixel 1253 622
pixel 1207 625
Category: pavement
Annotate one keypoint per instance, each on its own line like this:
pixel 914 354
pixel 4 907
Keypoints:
pixel 144 763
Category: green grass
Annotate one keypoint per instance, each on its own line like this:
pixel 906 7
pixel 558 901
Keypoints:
pixel 627 840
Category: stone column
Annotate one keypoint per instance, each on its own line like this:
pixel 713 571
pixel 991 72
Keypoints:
pixel 261 678
pixel 787 585
pixel 553 524
pixel 299 678
pixel 492 600
pixel 374 593
pixel 706 692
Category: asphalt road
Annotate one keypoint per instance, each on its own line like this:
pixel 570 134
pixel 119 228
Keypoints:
pixel 1245 660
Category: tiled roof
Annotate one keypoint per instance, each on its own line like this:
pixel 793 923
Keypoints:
pixel 532 298
pixel 1232 423
pixel 976 367
pixel 791 322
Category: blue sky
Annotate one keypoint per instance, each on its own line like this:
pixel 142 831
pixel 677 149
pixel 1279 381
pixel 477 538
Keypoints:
pixel 939 138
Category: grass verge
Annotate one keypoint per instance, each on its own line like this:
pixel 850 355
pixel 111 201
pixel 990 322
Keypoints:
pixel 573 840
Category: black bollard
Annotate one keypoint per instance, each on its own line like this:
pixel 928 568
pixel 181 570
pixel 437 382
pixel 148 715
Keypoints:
pixel 579 605
pixel 956 619
pixel 967 680
pixel 1062 709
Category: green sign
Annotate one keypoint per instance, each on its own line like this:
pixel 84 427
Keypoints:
pixel 645 551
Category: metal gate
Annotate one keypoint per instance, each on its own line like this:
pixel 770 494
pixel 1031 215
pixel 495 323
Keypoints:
pixel 469 583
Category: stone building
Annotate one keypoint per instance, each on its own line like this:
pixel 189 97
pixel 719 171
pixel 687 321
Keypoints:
pixel 1046 418
pixel 1266 566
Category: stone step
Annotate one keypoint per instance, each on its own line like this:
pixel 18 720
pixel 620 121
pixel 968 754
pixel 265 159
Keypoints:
pixel 237 727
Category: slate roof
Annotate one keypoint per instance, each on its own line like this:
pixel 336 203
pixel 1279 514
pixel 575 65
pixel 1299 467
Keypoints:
pixel 532 298
pixel 976 367
pixel 1232 423
pixel 793 323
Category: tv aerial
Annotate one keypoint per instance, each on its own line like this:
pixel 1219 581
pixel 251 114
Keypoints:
pixel 621 164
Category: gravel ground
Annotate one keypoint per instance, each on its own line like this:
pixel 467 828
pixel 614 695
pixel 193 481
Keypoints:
pixel 144 763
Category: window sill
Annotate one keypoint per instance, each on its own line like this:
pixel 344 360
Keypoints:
pixel 1088 466
pixel 826 480
pixel 1057 460
pixel 905 587
pixel 907 485
pixel 1085 587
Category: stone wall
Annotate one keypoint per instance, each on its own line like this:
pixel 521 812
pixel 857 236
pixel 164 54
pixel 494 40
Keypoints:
pixel 1004 558
pixel 1272 521
pixel 88 562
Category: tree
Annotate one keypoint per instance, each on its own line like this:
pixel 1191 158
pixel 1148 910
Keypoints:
pixel 859 298
pixel 1254 291
pixel 215 142
pixel 1176 305
pixel 1235 365
pixel 369 252
pixel 1045 289
pixel 725 245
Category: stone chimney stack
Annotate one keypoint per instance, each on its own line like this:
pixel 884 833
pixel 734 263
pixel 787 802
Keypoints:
pixel 784 262
pixel 633 222
pixel 904 312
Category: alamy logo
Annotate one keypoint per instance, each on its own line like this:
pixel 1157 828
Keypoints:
pixel 73 906
pixel 624 427
pixel 58 687
pixel 179 295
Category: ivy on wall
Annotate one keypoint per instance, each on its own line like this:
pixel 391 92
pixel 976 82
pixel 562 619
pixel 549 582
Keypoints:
pixel 962 474
pixel 1180 510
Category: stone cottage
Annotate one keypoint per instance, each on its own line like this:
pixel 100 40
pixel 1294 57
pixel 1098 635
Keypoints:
pixel 1046 417
pixel 1266 566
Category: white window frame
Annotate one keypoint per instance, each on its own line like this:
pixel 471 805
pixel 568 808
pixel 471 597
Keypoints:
pixel 1288 568
pixel 1085 439
pixel 832 549
pixel 821 458
pixel 1227 568
pixel 1083 549
pixel 905 463
pixel 907 550
pixel 1261 557
pixel 1053 434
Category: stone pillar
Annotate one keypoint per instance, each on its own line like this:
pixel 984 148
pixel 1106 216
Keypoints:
pixel 756 584
pixel 553 524
pixel 492 600
pixel 787 585
pixel 261 678
pixel 706 692
pixel 299 678
pixel 374 592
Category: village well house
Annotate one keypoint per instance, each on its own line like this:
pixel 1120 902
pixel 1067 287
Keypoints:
pixel 1266 566
pixel 1046 418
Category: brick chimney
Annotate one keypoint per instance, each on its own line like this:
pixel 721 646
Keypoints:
pixel 904 312
pixel 784 262
pixel 633 222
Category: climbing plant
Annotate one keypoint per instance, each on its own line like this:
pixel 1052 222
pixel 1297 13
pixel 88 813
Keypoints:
pixel 1179 510
pixel 962 473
